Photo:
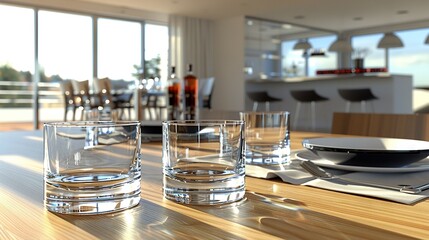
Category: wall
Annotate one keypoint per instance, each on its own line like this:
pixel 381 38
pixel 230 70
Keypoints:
pixel 229 89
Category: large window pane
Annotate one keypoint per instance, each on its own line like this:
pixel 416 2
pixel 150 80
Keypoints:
pixel 294 61
pixel 65 45
pixel 365 47
pixel 156 52
pixel 413 58
pixel 119 48
pixel 16 63
pixel 321 62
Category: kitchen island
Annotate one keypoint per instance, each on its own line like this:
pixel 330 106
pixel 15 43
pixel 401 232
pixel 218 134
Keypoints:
pixel 394 94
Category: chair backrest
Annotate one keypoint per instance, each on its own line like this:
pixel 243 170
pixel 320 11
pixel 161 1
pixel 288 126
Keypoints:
pixel 205 91
pixel 103 87
pixel 81 87
pixel 68 92
pixel 410 126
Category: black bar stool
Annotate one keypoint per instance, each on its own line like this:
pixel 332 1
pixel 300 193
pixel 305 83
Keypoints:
pixel 258 97
pixel 306 96
pixel 362 95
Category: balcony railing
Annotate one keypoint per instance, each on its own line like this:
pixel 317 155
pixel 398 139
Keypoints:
pixel 20 94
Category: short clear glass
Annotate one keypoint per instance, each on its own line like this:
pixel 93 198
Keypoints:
pixel 267 137
pixel 91 167
pixel 203 161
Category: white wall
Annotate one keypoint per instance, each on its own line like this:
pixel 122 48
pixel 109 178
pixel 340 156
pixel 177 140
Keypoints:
pixel 229 89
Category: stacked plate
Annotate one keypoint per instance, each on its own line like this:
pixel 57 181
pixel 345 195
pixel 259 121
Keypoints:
pixel 368 154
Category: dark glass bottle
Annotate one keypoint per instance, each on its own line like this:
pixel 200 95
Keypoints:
pixel 191 92
pixel 174 95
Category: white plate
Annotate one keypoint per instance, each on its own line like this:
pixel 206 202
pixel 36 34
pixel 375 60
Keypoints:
pixel 422 165
pixel 369 151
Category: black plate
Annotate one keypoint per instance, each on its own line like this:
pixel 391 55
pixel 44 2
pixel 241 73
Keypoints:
pixel 370 152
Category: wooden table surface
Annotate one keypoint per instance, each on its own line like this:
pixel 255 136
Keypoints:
pixel 272 209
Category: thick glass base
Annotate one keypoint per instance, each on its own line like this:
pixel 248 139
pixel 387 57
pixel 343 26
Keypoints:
pixel 94 200
pixel 204 193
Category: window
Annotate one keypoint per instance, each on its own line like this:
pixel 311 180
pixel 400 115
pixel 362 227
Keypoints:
pixel 156 50
pixel 65 51
pixel 365 47
pixel 65 46
pixel 413 58
pixel 16 59
pixel 327 60
pixel 294 61
pixel 119 48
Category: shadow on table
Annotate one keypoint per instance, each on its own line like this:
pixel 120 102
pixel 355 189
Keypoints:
pixel 289 219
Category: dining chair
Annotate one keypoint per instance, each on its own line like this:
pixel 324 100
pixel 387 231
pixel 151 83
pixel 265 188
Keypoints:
pixel 113 100
pixel 83 98
pixel 70 103
pixel 206 86
pixel 409 126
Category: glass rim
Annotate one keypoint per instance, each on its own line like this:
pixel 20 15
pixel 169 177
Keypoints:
pixel 92 124
pixel 206 122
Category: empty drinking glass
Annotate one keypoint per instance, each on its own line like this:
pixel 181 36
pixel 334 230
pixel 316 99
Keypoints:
pixel 91 167
pixel 267 137
pixel 203 161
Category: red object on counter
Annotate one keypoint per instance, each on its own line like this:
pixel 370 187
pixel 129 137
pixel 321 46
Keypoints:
pixel 351 71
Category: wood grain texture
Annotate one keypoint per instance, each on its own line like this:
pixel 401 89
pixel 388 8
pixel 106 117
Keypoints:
pixel 410 126
pixel 272 209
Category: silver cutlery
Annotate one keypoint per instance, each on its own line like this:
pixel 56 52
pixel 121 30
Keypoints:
pixel 318 172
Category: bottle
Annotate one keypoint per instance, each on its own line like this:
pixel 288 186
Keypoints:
pixel 191 93
pixel 174 95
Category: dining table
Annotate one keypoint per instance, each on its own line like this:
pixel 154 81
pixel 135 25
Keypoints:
pixel 271 209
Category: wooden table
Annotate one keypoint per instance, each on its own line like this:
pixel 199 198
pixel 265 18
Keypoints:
pixel 272 209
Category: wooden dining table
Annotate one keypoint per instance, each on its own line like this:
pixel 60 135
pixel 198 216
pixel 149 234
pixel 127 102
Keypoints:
pixel 271 209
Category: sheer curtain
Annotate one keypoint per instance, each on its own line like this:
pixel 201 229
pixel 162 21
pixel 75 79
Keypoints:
pixel 191 42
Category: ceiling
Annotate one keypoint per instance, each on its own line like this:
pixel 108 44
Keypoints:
pixel 333 15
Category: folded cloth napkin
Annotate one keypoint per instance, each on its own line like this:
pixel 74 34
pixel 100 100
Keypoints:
pixel 294 174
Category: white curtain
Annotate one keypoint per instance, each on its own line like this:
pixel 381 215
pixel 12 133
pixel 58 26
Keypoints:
pixel 191 42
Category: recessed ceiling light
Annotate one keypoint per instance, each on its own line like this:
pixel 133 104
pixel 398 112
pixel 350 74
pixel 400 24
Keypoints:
pixel 400 12
pixel 250 22
pixel 299 17
pixel 357 18
pixel 286 26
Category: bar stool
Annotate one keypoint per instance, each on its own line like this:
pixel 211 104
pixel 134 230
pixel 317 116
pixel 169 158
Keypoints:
pixel 361 95
pixel 258 97
pixel 306 96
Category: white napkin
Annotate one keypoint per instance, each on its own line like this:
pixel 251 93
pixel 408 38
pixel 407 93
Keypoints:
pixel 294 174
